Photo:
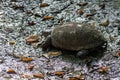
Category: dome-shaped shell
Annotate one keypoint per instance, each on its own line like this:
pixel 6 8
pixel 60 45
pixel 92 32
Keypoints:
pixel 76 36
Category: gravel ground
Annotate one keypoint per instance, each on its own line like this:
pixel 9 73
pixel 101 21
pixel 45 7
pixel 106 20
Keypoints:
pixel 22 18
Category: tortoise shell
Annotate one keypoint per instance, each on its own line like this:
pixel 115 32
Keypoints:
pixel 76 36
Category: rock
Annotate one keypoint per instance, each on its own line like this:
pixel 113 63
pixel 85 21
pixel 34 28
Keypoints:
pixel 105 23
pixel 102 6
pixel 82 4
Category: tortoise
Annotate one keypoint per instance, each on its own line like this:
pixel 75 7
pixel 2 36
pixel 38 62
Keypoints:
pixel 74 36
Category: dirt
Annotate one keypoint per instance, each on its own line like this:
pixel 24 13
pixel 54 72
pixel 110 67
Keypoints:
pixel 22 18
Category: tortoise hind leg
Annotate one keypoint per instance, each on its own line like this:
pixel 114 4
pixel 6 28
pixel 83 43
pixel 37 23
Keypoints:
pixel 83 52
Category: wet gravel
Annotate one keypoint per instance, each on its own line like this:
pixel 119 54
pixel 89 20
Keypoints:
pixel 21 18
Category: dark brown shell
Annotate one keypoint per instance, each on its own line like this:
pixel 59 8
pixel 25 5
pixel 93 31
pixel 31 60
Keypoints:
pixel 76 36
